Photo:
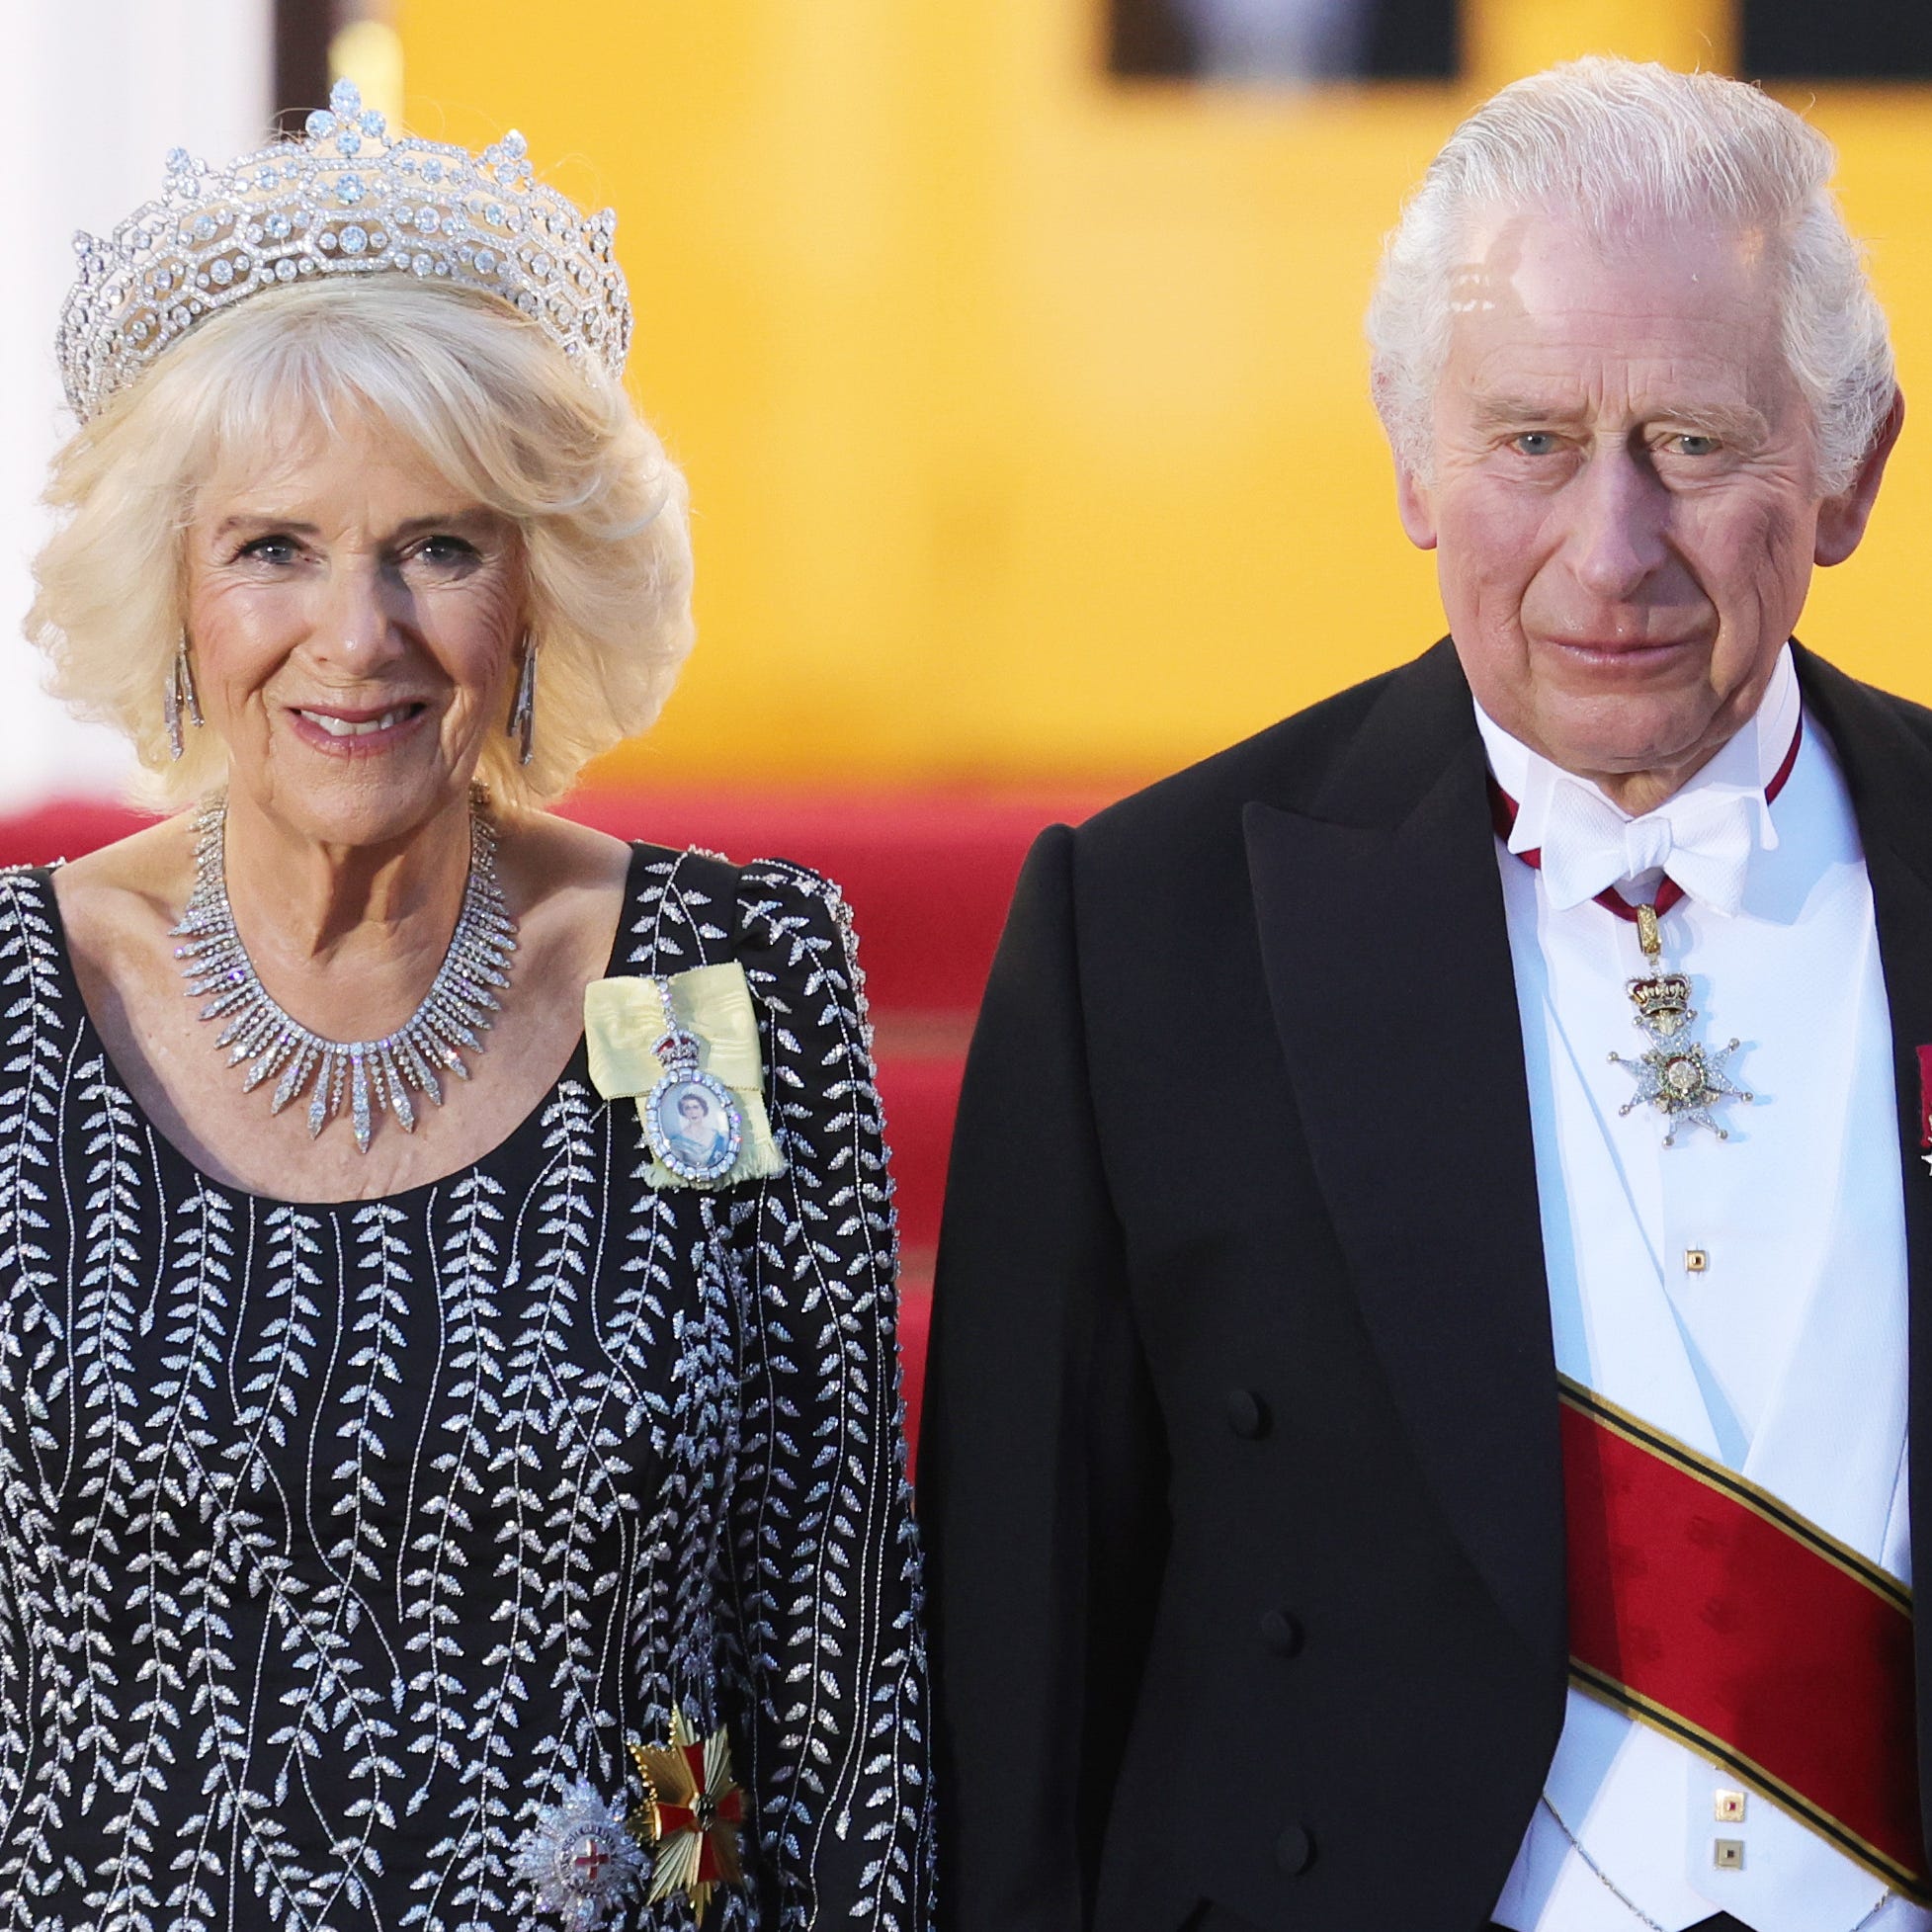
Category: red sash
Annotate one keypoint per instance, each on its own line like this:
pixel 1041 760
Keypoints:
pixel 1701 1605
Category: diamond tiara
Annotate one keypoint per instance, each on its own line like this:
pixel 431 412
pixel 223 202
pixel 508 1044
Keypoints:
pixel 345 199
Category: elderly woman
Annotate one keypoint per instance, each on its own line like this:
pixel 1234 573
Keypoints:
pixel 432 1498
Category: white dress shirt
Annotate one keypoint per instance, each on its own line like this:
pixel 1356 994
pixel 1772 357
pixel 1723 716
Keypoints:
pixel 1783 1356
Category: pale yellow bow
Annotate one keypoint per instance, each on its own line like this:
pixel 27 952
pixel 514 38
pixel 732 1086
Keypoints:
pixel 624 1019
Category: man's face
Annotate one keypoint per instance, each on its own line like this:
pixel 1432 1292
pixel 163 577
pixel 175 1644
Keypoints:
pixel 1624 505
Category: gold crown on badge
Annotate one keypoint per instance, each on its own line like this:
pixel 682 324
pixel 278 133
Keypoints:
pixel 1663 1001
pixel 343 198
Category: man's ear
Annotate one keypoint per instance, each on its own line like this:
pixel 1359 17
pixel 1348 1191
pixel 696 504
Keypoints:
pixel 1416 505
pixel 1842 518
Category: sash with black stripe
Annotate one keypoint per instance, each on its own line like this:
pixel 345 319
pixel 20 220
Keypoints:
pixel 1702 1605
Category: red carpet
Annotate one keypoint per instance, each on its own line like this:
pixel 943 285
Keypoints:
pixel 928 875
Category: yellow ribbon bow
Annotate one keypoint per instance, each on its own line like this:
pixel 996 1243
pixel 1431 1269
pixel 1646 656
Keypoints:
pixel 624 1019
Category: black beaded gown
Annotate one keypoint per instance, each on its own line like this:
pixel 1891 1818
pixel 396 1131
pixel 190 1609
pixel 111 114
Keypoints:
pixel 336 1542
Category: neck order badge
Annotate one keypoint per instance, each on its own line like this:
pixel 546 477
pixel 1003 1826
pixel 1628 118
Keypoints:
pixel 1680 1077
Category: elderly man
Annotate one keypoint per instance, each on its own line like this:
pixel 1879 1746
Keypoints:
pixel 1470 1486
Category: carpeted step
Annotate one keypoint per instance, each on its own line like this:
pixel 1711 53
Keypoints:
pixel 920 1092
pixel 928 874
pixel 915 1326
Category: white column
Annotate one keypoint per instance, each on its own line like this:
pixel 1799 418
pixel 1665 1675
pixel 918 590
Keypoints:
pixel 92 93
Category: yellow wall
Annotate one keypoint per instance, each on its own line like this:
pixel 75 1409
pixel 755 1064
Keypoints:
pixel 1025 413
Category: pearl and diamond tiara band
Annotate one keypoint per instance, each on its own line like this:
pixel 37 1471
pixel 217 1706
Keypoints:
pixel 345 200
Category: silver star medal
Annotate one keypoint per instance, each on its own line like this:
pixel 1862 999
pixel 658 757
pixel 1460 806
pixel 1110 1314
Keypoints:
pixel 582 1860
pixel 1680 1077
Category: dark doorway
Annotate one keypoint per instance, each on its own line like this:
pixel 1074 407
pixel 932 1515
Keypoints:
pixel 303 30
pixel 1849 39
pixel 1286 43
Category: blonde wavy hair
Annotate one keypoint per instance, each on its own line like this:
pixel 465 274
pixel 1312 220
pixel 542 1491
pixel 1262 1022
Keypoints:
pixel 489 402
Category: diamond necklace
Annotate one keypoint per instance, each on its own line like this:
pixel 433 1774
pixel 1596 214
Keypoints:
pixel 372 1073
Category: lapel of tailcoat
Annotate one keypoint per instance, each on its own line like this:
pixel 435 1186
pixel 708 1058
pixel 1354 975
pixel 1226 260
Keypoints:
pixel 1383 935
pixel 1381 917
pixel 1887 768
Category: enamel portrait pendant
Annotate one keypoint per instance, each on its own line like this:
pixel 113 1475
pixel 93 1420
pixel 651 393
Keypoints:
pixel 1677 1076
pixel 690 1117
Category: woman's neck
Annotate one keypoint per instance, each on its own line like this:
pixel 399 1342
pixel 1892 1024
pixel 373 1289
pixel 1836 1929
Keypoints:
pixel 347 938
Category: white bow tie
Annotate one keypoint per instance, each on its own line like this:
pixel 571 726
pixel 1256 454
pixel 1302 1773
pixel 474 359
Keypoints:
pixel 1703 839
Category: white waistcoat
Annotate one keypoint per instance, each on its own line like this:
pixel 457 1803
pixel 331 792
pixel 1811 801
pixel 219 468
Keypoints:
pixel 1783 1356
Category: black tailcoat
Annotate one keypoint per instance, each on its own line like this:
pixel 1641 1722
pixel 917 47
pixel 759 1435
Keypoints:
pixel 1240 1458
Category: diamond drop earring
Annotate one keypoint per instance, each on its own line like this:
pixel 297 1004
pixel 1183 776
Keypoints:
pixel 179 698
pixel 521 724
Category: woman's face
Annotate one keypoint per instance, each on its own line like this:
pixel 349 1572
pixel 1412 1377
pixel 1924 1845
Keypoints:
pixel 354 623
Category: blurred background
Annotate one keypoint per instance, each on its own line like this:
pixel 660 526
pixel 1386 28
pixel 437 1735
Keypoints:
pixel 1013 355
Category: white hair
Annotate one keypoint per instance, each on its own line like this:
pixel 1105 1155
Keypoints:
pixel 496 409
pixel 1625 146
